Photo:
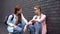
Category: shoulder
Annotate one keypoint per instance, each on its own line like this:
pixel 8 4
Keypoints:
pixel 10 16
pixel 35 15
pixel 22 14
pixel 43 15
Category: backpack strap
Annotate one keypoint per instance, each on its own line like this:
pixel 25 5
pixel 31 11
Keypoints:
pixel 12 17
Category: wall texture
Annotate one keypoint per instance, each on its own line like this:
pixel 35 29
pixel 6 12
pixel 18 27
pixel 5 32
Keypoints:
pixel 49 7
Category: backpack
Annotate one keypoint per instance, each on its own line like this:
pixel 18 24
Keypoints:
pixel 6 18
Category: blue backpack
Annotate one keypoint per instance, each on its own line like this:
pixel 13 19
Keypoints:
pixel 6 18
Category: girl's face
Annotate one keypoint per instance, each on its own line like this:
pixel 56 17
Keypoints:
pixel 37 11
pixel 20 11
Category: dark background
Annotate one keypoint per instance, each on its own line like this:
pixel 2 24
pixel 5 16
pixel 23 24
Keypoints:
pixel 49 7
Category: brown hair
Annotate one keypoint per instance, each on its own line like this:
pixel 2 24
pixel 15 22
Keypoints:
pixel 19 18
pixel 17 8
pixel 38 7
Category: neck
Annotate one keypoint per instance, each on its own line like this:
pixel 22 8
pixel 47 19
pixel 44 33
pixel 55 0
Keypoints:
pixel 38 14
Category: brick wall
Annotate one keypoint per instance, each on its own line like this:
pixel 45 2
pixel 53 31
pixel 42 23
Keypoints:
pixel 49 7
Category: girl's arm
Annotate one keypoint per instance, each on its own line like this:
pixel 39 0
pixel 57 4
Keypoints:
pixel 43 17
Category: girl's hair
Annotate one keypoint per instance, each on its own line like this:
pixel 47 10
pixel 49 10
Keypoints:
pixel 18 8
pixel 38 7
pixel 19 18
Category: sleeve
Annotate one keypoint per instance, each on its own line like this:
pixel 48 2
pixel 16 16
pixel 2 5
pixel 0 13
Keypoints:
pixel 9 21
pixel 25 20
pixel 43 17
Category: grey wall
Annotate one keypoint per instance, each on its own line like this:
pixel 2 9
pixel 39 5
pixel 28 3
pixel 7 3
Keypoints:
pixel 49 7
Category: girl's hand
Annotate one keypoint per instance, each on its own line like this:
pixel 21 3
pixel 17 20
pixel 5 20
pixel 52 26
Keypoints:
pixel 25 28
pixel 29 23
pixel 15 26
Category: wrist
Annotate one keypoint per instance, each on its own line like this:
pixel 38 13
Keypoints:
pixel 13 25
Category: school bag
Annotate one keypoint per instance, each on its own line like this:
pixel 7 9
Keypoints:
pixel 6 18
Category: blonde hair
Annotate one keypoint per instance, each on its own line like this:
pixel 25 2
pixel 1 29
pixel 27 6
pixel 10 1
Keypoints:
pixel 38 7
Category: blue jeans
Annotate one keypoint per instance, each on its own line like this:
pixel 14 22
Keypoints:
pixel 20 28
pixel 36 28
